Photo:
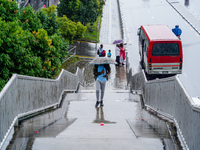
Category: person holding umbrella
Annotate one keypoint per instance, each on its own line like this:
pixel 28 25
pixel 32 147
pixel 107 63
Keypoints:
pixel 122 54
pixel 119 51
pixel 101 72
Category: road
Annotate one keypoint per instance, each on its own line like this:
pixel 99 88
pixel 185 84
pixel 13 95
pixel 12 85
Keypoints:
pixel 142 12
pixel 193 7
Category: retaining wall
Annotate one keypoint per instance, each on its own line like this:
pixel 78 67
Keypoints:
pixel 169 98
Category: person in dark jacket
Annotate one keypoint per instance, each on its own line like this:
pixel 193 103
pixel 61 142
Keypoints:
pixel 177 31
pixel 100 51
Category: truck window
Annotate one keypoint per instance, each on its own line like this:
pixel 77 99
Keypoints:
pixel 165 49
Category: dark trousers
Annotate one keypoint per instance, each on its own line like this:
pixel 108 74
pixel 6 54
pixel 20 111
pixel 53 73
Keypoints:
pixel 117 60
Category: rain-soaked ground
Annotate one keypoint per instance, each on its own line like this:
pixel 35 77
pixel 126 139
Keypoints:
pixel 122 123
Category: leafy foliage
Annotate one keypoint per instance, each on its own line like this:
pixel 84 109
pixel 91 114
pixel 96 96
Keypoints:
pixel 49 20
pixel 34 44
pixel 16 52
pixel 9 10
pixel 29 20
pixel 26 47
pixel 70 30
pixel 80 30
pixel 61 46
pixel 50 50
pixel 83 11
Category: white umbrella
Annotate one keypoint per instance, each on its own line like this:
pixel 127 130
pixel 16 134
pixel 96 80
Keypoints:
pixel 103 60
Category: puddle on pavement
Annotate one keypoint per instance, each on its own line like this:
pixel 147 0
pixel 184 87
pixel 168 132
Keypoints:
pixel 100 117
pixel 116 81
pixel 85 49
pixel 120 77
pixel 49 124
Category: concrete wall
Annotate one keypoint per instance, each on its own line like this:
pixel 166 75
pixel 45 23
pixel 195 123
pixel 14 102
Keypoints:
pixel 24 95
pixel 168 97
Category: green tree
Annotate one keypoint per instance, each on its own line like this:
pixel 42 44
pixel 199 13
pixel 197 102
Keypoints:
pixel 61 46
pixel 25 46
pixel 9 10
pixel 71 30
pixel 29 20
pixel 80 30
pixel 49 20
pixel 68 8
pixel 84 11
pixel 91 11
pixel 50 55
pixel 68 28
pixel 15 51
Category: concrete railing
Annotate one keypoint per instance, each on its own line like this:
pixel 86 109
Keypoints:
pixel 169 98
pixel 24 95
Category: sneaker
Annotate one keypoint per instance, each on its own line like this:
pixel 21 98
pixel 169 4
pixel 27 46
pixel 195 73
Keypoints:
pixel 101 103
pixel 97 103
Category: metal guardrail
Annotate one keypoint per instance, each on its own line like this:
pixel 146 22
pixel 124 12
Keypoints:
pixel 169 98
pixel 24 95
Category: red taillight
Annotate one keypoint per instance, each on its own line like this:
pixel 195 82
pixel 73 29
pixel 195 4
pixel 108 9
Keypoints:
pixel 150 64
pixel 181 63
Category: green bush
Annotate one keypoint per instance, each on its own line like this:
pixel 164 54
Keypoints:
pixel 29 20
pixel 83 11
pixel 9 10
pixel 26 47
pixel 71 30
pixel 34 44
pixel 49 20
pixel 15 49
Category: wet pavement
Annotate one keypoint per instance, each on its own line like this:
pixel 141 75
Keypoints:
pixel 121 124
pixel 85 49
pixel 80 125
